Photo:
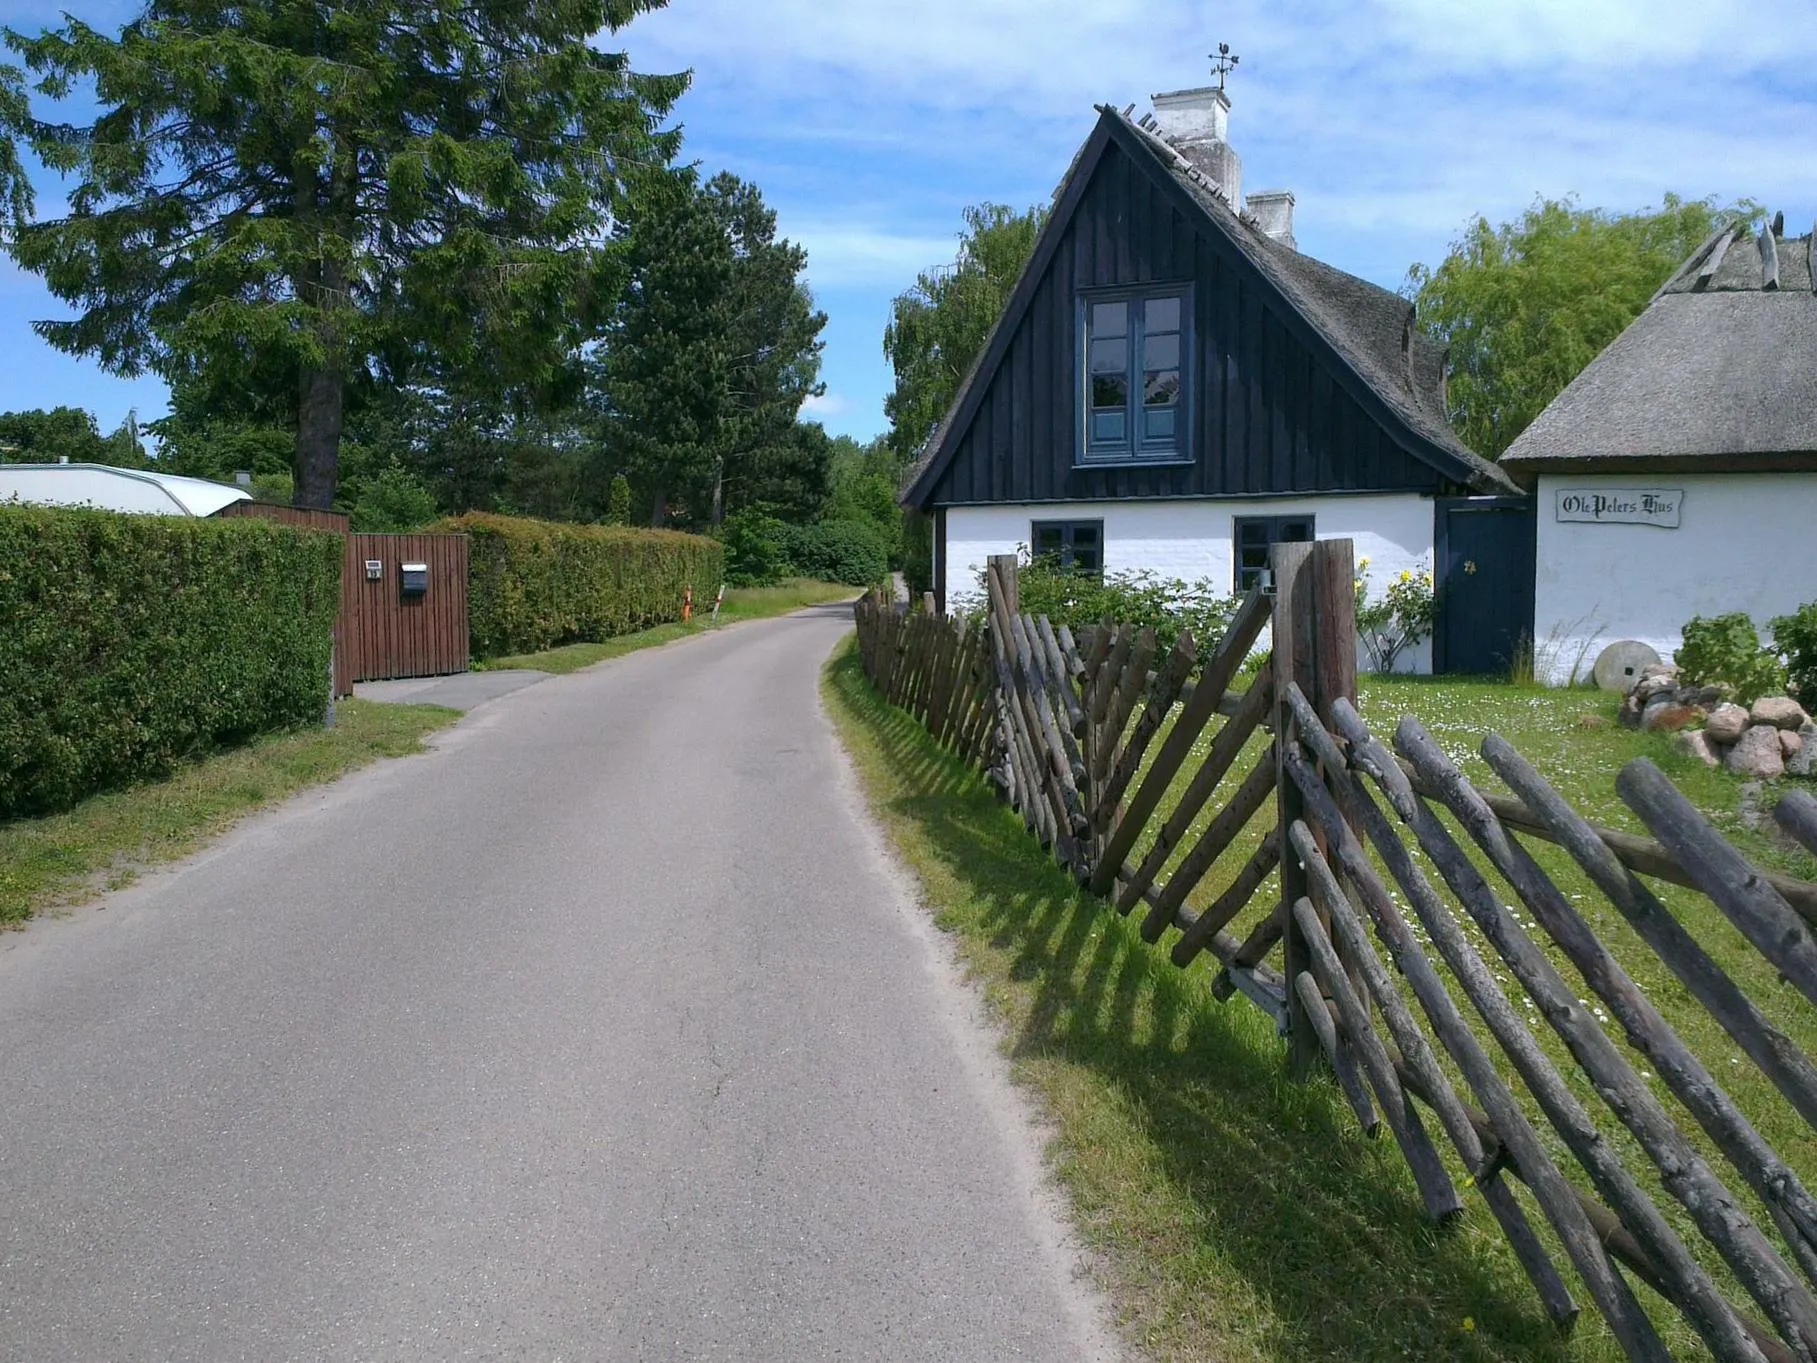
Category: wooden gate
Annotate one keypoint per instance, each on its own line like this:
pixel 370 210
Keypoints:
pixel 384 631
pixel 389 627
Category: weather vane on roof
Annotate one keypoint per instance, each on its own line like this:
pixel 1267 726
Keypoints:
pixel 1223 62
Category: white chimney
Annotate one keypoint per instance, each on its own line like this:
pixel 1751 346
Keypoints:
pixel 1196 123
pixel 1272 210
pixel 242 477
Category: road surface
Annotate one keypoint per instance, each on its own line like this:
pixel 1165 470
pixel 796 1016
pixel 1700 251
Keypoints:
pixel 605 1030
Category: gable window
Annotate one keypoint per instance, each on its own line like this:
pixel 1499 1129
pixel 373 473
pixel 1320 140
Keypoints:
pixel 1078 545
pixel 1254 536
pixel 1136 360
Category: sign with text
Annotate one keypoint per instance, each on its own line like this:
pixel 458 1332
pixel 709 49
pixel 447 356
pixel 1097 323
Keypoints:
pixel 1621 506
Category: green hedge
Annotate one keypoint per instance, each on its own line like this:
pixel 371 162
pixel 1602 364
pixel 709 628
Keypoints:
pixel 851 552
pixel 128 643
pixel 535 584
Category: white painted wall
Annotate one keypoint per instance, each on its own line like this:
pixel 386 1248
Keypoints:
pixel 1745 542
pixel 1194 539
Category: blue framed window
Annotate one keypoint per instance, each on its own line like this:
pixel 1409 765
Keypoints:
pixel 1136 361
pixel 1254 536
pixel 1078 546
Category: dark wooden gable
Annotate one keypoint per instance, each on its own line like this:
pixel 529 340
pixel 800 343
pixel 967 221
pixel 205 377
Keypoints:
pixel 1271 411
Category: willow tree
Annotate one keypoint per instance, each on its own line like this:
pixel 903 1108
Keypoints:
pixel 343 191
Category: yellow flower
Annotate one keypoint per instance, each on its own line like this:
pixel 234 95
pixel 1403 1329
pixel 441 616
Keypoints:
pixel 1469 1323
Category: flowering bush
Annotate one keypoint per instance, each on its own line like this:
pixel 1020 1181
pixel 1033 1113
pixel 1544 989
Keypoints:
pixel 1142 598
pixel 1401 618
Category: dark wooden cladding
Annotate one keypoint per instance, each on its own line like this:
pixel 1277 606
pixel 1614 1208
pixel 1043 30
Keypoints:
pixel 388 634
pixel 1265 414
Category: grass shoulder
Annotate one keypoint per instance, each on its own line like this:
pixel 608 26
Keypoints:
pixel 741 603
pixel 1235 1214
pixel 66 859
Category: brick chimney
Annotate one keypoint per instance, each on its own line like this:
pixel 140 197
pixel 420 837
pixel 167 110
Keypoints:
pixel 1272 210
pixel 1196 123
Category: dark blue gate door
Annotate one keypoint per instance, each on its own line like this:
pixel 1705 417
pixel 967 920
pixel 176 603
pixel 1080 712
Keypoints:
pixel 1484 578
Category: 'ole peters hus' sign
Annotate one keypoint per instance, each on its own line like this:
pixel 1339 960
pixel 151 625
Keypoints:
pixel 1621 506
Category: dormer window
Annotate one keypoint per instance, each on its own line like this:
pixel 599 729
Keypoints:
pixel 1135 363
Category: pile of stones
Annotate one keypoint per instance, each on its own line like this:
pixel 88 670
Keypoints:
pixel 1770 738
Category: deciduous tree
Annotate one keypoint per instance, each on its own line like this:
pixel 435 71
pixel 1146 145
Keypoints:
pixel 1524 306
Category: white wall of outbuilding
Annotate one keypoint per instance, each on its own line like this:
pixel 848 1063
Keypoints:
pixel 1745 542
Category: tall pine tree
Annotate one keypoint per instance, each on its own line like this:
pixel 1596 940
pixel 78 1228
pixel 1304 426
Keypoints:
pixel 337 190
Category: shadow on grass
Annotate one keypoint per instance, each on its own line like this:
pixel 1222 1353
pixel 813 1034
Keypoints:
pixel 1244 1214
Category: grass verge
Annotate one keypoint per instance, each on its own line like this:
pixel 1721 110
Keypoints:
pixel 741 603
pixel 67 859
pixel 1237 1215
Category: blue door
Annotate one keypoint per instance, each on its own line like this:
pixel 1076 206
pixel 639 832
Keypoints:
pixel 1483 574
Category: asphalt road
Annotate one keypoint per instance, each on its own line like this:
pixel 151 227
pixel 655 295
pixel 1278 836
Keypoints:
pixel 605 1030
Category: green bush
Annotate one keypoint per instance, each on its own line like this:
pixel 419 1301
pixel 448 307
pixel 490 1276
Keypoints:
pixel 534 584
pixel 128 643
pixel 853 552
pixel 1724 650
pixel 1795 636
pixel 1144 598
pixel 755 556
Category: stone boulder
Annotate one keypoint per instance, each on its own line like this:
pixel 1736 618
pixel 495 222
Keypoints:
pixel 1668 714
pixel 1791 742
pixel 1782 712
pixel 1693 743
pixel 1804 761
pixel 1756 754
pixel 1726 724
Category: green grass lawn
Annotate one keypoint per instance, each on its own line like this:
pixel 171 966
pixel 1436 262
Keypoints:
pixel 66 859
pixel 741 603
pixel 1240 1215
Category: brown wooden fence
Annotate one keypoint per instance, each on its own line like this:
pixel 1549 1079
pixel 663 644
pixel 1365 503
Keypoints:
pixel 1385 852
pixel 384 631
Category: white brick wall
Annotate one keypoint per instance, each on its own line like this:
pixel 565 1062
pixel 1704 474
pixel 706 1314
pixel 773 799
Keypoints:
pixel 1193 539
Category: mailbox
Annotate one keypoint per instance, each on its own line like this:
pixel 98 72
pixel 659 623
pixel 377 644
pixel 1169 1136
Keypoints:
pixel 375 570
pixel 415 578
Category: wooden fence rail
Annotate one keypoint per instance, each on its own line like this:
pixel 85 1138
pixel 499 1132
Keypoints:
pixel 1142 771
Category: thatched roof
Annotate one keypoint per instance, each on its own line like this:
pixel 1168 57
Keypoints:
pixel 1719 374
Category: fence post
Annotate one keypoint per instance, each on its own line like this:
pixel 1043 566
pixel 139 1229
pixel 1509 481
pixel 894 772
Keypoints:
pixel 1007 566
pixel 1314 647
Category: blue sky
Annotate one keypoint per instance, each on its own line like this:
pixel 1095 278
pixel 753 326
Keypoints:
pixel 870 125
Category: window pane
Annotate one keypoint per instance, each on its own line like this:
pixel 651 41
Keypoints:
pixel 1108 428
pixel 1162 388
pixel 1109 390
pixel 1161 352
pixel 1049 538
pixel 1295 532
pixel 1084 536
pixel 1252 533
pixel 1085 558
pixel 1110 357
pixel 1109 319
pixel 1158 423
pixel 1163 315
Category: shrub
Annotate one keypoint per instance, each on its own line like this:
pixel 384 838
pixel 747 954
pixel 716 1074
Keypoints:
pixel 128 643
pixel 618 501
pixel 1795 636
pixel 1402 617
pixel 755 554
pixel 1167 604
pixel 1724 650
pixel 534 584
pixel 852 552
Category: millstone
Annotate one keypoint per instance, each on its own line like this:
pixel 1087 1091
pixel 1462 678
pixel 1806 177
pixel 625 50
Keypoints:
pixel 1618 666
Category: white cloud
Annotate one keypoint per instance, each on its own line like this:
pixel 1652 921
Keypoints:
pixel 845 255
pixel 824 406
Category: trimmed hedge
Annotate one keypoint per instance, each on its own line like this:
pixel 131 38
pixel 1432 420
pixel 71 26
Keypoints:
pixel 128 643
pixel 533 585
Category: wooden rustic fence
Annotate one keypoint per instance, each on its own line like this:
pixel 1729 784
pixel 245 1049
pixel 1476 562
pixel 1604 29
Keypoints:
pixel 1112 751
